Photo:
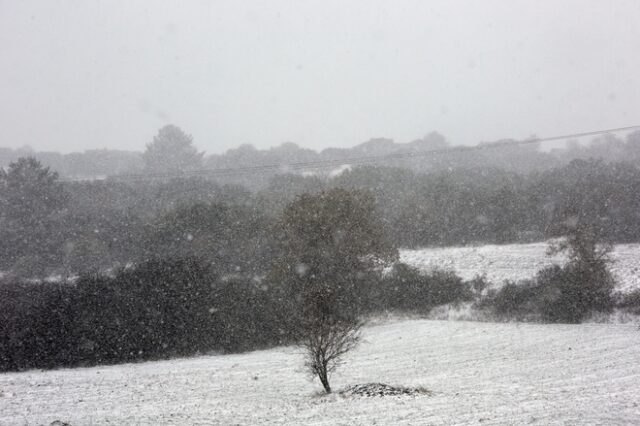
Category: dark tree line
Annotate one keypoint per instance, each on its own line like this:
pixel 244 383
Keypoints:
pixel 50 227
pixel 463 206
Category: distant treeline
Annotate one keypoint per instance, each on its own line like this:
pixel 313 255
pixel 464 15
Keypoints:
pixel 181 155
pixel 93 163
pixel 50 227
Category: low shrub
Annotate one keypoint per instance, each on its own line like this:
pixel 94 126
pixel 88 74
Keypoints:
pixel 570 294
pixel 407 289
pixel 630 302
pixel 557 295
pixel 514 301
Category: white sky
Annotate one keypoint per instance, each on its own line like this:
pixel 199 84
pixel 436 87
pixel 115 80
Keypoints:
pixel 87 74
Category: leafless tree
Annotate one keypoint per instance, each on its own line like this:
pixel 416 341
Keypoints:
pixel 331 241
pixel 326 341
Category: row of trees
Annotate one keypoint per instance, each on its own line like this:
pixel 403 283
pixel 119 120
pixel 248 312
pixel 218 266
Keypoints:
pixel 53 228
pixel 172 152
pixel 64 228
pixel 464 206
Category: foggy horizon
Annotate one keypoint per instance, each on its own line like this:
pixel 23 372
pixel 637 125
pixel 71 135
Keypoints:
pixel 92 75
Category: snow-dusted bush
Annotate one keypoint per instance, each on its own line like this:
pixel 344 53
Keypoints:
pixel 407 289
pixel 630 302
pixel 158 309
pixel 514 301
pixel 567 294
pixel 557 294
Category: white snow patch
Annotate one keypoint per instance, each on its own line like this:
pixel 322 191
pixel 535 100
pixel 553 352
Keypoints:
pixel 516 261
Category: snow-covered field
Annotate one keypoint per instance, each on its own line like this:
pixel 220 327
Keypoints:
pixel 516 261
pixel 479 373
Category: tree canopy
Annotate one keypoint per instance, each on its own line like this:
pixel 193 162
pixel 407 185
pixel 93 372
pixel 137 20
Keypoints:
pixel 171 151
pixel 32 201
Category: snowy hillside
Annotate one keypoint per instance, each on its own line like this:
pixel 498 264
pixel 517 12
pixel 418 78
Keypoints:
pixel 516 261
pixel 479 373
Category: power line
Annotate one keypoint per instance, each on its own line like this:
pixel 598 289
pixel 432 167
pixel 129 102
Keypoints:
pixel 319 164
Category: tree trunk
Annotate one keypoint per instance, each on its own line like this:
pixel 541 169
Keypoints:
pixel 325 380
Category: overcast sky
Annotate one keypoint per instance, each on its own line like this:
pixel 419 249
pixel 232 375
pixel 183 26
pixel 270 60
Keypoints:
pixel 77 75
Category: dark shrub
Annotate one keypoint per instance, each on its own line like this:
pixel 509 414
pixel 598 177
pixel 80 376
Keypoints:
pixel 565 294
pixel 518 301
pixel 252 315
pixel 630 301
pixel 557 294
pixel 570 294
pixel 35 325
pixel 407 289
pixel 159 309
pixel 584 284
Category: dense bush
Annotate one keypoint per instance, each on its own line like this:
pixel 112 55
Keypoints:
pixel 405 288
pixel 252 315
pixel 566 294
pixel 630 302
pixel 557 294
pixel 160 308
pixel 518 301
pixel 156 310
pixel 35 325
pixel 570 294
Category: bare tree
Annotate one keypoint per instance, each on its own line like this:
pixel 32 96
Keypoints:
pixel 331 242
pixel 326 340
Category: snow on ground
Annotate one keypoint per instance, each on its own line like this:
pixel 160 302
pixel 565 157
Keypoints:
pixel 478 373
pixel 516 261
